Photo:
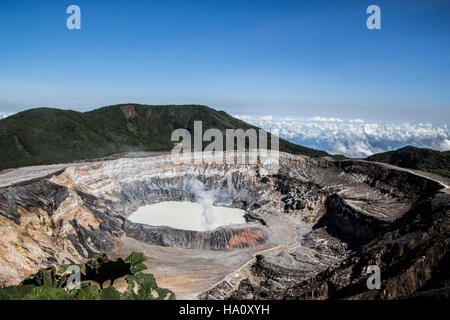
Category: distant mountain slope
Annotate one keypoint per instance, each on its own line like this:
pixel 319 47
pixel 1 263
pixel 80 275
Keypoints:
pixel 417 158
pixel 46 136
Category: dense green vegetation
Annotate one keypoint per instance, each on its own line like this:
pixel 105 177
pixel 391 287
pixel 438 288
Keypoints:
pixel 48 136
pixel 53 283
pixel 417 158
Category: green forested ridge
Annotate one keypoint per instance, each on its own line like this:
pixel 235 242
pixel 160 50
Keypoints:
pixel 52 283
pixel 417 158
pixel 48 136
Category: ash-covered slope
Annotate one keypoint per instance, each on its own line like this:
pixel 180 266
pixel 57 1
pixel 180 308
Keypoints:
pixel 50 136
pixel 410 245
pixel 412 253
pixel 313 227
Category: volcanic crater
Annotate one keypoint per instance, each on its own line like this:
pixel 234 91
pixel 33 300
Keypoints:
pixel 310 229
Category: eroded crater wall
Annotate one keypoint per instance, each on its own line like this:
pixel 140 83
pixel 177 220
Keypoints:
pixel 81 211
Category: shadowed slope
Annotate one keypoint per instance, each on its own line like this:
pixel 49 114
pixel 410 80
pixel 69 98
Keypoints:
pixel 417 158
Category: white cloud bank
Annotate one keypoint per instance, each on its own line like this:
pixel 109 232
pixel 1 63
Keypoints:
pixel 354 138
pixel 3 115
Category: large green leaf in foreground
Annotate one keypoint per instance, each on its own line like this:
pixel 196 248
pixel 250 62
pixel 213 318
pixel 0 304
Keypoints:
pixel 53 283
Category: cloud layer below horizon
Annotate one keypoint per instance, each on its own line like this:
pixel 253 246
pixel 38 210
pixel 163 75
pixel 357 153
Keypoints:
pixel 353 138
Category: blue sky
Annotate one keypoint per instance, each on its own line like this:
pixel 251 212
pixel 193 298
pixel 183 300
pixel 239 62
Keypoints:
pixel 283 58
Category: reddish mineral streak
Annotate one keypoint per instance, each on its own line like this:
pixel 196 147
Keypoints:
pixel 246 237
pixel 129 111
